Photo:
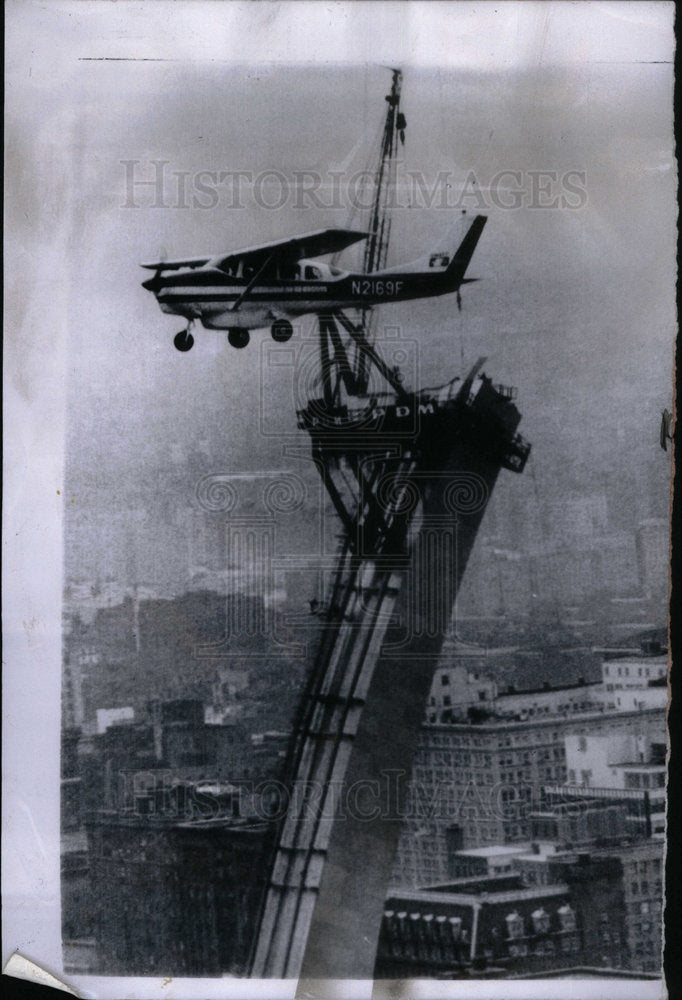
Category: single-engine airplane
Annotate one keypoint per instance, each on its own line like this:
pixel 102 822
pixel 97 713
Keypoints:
pixel 275 282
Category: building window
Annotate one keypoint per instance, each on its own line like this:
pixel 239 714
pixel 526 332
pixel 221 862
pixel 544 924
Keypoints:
pixel 514 925
pixel 567 918
pixel 445 679
pixel 540 920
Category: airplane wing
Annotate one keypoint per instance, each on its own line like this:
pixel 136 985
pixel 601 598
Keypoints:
pixel 174 265
pixel 315 244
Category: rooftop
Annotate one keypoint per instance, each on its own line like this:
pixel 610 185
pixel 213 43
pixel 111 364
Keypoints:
pixel 641 766
pixel 433 896
pixel 495 850
pixel 548 688
pixel 587 972
pixel 495 723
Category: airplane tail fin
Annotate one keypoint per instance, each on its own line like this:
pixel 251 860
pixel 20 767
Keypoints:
pixel 456 268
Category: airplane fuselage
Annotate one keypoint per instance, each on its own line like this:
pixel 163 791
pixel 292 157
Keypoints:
pixel 209 295
pixel 274 283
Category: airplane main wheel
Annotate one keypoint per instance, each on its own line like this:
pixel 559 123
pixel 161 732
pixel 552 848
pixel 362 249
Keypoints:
pixel 184 341
pixel 281 331
pixel 237 337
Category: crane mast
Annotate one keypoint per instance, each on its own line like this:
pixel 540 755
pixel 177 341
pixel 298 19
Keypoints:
pixel 379 228
pixel 376 247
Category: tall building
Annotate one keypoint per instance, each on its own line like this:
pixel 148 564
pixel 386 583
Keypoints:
pixel 621 762
pixel 475 784
pixel 642 877
pixel 170 742
pixel 497 926
pixel 461 692
pixel 631 681
pixel 174 898
pixel 583 892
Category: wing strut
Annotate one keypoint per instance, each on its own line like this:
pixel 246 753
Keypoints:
pixel 238 301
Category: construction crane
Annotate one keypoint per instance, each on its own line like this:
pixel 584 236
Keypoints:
pixel 385 178
pixel 347 364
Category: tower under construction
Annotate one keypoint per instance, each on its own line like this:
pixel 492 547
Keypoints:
pixel 409 474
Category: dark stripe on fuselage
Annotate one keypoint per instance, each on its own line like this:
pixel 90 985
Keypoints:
pixel 354 289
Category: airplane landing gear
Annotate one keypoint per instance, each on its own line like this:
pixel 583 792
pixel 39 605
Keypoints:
pixel 281 331
pixel 184 341
pixel 237 337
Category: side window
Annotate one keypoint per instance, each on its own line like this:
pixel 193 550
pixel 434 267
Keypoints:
pixel 312 273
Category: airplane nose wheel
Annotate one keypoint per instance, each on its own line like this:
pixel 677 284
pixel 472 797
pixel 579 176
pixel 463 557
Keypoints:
pixel 237 337
pixel 281 331
pixel 184 341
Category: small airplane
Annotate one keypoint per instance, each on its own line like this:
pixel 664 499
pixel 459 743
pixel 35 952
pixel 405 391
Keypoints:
pixel 275 282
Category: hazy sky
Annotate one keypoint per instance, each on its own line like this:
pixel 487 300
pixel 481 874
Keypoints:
pixel 576 305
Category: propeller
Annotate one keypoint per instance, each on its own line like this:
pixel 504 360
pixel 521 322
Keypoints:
pixel 153 284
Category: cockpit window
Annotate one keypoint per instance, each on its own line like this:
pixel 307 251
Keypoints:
pixel 312 273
